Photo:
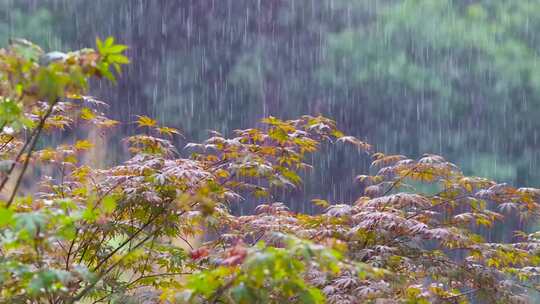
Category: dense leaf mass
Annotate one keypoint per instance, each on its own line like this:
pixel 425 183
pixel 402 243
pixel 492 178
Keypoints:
pixel 132 232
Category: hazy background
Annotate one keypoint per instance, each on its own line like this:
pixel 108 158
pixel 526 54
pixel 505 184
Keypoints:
pixel 453 77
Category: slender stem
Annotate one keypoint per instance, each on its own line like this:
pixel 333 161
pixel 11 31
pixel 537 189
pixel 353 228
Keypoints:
pixel 17 157
pixel 109 269
pixel 127 241
pixel 62 178
pixel 399 180
pixel 147 260
pixel 31 148
pixel 105 272
pixel 185 241
pixel 112 253
pixel 156 275
pixel 441 203
pixel 466 293
pixel 85 244
pixel 71 248
pixel 7 142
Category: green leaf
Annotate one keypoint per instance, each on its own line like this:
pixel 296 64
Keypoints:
pixel 6 217
pixel 85 273
pixel 243 294
pixel 118 58
pixel 117 48
pixel 9 109
pixel 109 204
pixel 312 296
pixel 30 222
pixel 90 214
pixel 11 114
pixel 48 280
pixel 103 68
pixel 51 83
pixel 99 44
pixel 109 42
pixel 67 230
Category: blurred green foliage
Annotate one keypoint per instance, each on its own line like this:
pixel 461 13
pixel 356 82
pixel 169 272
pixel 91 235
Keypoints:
pixel 18 19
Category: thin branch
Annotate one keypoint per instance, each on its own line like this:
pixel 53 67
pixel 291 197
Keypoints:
pixel 441 203
pixel 109 269
pixel 128 240
pixel 185 241
pixel 71 248
pixel 112 253
pixel 399 180
pixel 157 275
pixel 7 142
pixel 31 148
pixel 463 294
pixel 147 260
pixel 17 157
pixel 102 196
pixel 105 272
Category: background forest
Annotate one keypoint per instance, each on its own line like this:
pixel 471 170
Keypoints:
pixel 456 77
pixel 177 200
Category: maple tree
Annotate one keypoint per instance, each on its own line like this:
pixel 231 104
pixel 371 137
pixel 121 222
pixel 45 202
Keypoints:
pixel 106 235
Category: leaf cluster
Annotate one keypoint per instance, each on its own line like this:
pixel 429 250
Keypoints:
pixel 127 232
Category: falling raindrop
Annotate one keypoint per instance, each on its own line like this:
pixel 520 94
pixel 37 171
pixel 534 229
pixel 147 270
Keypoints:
pixel 458 78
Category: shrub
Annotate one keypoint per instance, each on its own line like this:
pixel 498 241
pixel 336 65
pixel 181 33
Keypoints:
pixel 98 235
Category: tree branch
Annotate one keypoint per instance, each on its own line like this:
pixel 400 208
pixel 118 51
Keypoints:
pixel 32 144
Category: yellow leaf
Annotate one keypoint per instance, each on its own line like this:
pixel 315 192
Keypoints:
pixel 81 173
pixel 71 159
pixel 145 121
pixel 74 96
pixel 87 114
pixel 222 173
pixel 320 202
pixel 83 145
pixel 47 154
pixel 107 123
pixel 167 131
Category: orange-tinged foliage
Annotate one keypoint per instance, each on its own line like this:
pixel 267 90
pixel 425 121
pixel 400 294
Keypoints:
pixel 102 234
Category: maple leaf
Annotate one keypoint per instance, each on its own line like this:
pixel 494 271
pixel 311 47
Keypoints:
pixel 87 114
pixel 82 145
pixel 355 141
pixel 145 121
pixel 167 131
pixel 320 202
pixel 200 253
pixel 236 255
